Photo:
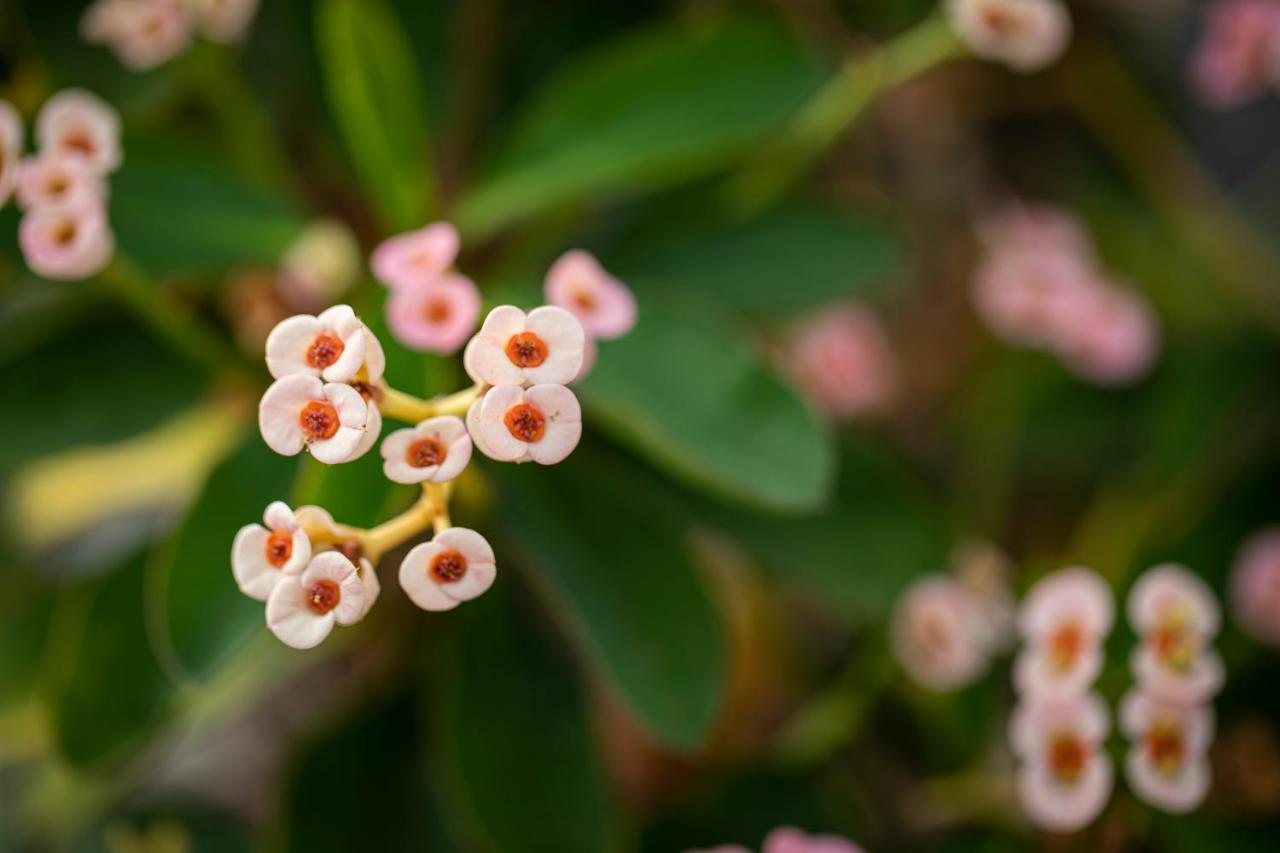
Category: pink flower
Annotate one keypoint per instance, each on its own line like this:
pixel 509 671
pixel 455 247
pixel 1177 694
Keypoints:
pixel 605 306
pixel 331 345
pixel 841 360
pixel 1023 291
pixel 937 634
pixel 261 556
pixel 1176 616
pixel 514 424
pixel 456 566
pixel 142 33
pixel 67 242
pixel 50 179
pixel 1167 764
pixel 1255 586
pixel 1063 619
pixel 436 315
pixel 10 149
pixel 80 123
pixel 788 839
pixel 436 450
pixel 512 348
pixel 300 411
pixel 303 609
pixel 1111 336
pixel 1025 35
pixel 223 20
pixel 1064 778
pixel 416 257
pixel 1238 57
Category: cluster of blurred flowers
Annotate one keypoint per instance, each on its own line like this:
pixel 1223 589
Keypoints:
pixel 788 839
pixel 64 232
pixel 1040 284
pixel 144 34
pixel 1238 56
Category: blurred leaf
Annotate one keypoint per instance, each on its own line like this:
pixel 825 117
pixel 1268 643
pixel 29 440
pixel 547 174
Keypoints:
pixel 661 106
pixel 177 214
pixel 356 493
pixel 685 389
pixel 25 615
pixel 528 780
pixel 612 560
pixel 376 96
pixel 107 687
pixel 205 613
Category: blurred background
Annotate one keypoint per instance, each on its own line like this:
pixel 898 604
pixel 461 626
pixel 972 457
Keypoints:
pixel 689 640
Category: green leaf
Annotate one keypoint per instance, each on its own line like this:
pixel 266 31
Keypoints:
pixel 376 96
pixel 107 687
pixel 205 613
pixel 529 780
pixel 659 107
pixel 25 615
pixel 177 214
pixel 611 558
pixel 686 389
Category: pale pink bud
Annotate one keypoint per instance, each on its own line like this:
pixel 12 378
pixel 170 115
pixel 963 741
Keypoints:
pixel 605 306
pixel 1109 336
pixel 261 556
pixel 10 149
pixel 303 609
pixel 301 411
pixel 842 362
pixel 788 839
pixel 456 566
pixel 79 123
pixel 1255 586
pixel 434 451
pixel 1025 35
pixel 513 424
pixel 223 20
pixel 142 33
pixel 331 345
pixel 1063 620
pixel 1167 764
pixel 937 634
pixel 53 179
pixel 71 241
pixel 416 257
pixel 437 315
pixel 1238 56
pixel 512 348
pixel 1065 778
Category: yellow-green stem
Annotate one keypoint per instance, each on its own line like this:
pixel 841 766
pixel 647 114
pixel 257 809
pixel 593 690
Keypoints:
pixel 411 409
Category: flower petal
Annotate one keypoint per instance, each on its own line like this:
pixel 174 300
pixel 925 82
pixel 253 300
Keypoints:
pixel 417 582
pixel 278 412
pixel 290 619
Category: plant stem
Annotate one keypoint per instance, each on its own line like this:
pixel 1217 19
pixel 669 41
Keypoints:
pixel 411 409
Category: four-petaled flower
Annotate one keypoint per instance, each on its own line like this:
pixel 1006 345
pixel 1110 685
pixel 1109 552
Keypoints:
pixel 1063 620
pixel 435 450
pixel 456 566
pixel 303 609
pixel 514 348
pixel 261 556
pixel 1167 764
pixel 416 257
pixel 514 424
pixel 1064 777
pixel 329 419
pixel 331 346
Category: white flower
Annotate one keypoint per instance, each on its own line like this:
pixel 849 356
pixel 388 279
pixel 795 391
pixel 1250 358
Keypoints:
pixel 301 411
pixel 58 179
pixel 1063 620
pixel 331 345
pixel 514 424
pixel 303 610
pixel 1175 614
pixel 1065 778
pixel 1025 35
pixel 1186 681
pixel 1167 765
pixel 456 566
pixel 435 450
pixel 937 634
pixel 345 542
pixel 261 556
pixel 512 348
pixel 80 123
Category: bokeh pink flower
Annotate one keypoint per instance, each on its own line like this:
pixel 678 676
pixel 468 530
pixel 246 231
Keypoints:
pixel 842 362
pixel 1255 586
pixel 1025 35
pixel 437 315
pixel 1237 58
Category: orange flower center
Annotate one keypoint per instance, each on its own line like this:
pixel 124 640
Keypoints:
pixel 1065 646
pixel 448 566
pixel 323 596
pixel 58 185
pixel 1165 746
pixel 525 422
pixel 425 452
pixel 319 420
pixel 526 350
pixel 64 233
pixel 279 547
pixel 1066 756
pixel 436 311
pixel 324 350
pixel 80 140
pixel 1000 20
pixel 584 299
pixel 1172 639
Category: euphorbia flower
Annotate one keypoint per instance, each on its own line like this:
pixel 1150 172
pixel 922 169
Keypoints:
pixel 261 556
pixel 512 348
pixel 416 257
pixel 1255 586
pixel 1065 777
pixel 435 450
pixel 70 241
pixel 841 360
pixel 437 315
pixel 514 424
pixel 1238 56
pixel 1109 336
pixel 223 20
pixel 1167 764
pixel 142 33
pixel 50 179
pixel 330 346
pixel 340 538
pixel 1063 620
pixel 300 411
pixel 10 149
pixel 788 839
pixel 456 566
pixel 303 609
pixel 1025 35
pixel 80 123
pixel 1023 292
pixel 937 634
pixel 1175 614
pixel 603 304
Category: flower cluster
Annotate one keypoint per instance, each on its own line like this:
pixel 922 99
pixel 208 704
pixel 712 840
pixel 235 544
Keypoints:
pixel 841 360
pixel 788 839
pixel 144 34
pixel 1238 55
pixel 1255 586
pixel 1040 285
pixel 329 397
pixel 1025 35
pixel 64 232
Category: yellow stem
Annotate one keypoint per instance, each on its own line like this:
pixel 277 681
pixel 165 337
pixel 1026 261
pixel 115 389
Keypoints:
pixel 411 409
pixel 438 496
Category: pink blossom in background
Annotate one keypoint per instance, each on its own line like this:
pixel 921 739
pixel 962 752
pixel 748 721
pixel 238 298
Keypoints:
pixel 416 257
pixel 1238 56
pixel 57 178
pixel 437 316
pixel 68 241
pixel 1176 616
pixel 938 635
pixel 1025 35
pixel 79 123
pixel 1255 586
pixel 1167 764
pixel 841 360
pixel 1063 620
pixel 142 33
pixel 1113 337
pixel 10 149
pixel 604 305
pixel 1064 775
